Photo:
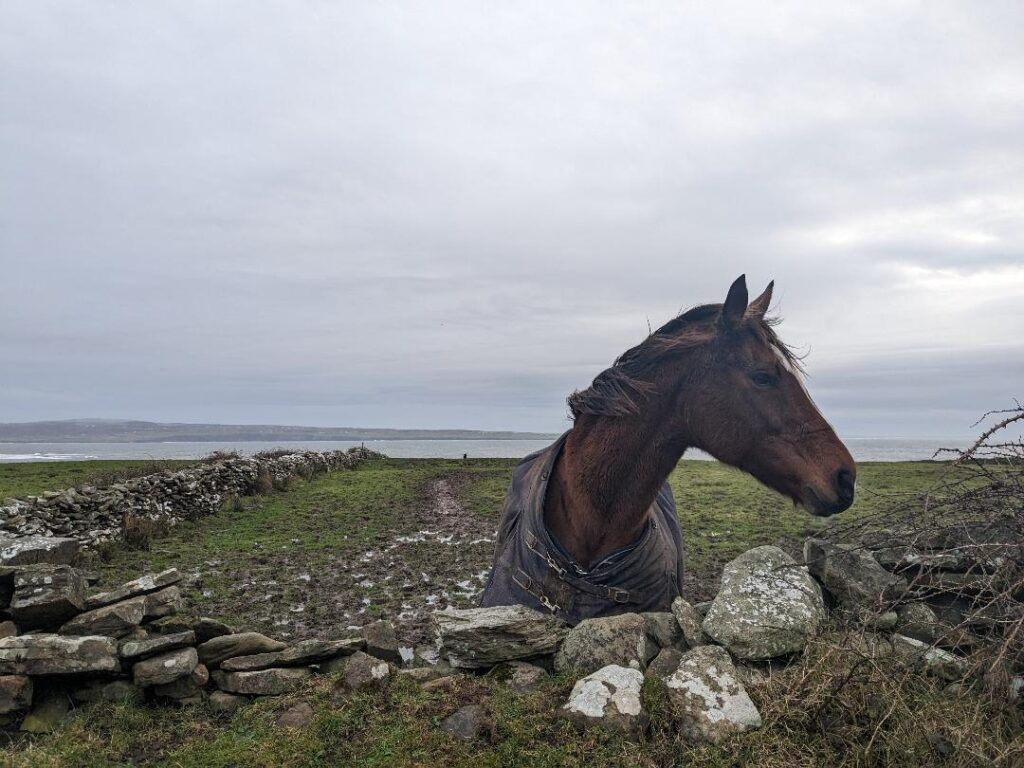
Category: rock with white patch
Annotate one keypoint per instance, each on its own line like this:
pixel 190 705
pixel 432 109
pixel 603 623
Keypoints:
pixel 46 595
pixel 364 671
pixel 29 550
pixel 608 698
pixel 165 668
pixel 482 637
pixel 709 703
pixel 768 605
pixel 596 643
pixel 263 682
pixel 57 655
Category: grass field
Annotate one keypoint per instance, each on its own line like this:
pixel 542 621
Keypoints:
pixel 348 547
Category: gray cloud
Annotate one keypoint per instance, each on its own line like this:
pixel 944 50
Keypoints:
pixel 452 215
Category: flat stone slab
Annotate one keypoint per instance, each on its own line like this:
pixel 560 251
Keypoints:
pixel 708 700
pixel 263 682
pixel 298 655
pixel 219 649
pixel 165 668
pixel 164 602
pixel 482 637
pixel 111 620
pixel 137 649
pixel 47 595
pixel 151 582
pixel 57 655
pixel 29 550
pixel 608 698
pixel 768 605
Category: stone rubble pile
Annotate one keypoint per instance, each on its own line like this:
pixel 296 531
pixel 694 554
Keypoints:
pixel 48 528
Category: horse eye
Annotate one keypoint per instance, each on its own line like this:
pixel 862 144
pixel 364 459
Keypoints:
pixel 762 379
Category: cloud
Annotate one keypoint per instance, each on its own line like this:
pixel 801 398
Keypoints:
pixel 454 214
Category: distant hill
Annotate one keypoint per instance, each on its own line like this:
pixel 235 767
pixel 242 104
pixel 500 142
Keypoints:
pixel 114 431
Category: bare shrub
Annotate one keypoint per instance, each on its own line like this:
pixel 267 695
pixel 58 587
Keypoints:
pixel 140 530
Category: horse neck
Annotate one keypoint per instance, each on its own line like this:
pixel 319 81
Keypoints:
pixel 605 480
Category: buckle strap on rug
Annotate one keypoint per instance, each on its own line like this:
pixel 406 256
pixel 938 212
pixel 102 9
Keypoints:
pixel 616 594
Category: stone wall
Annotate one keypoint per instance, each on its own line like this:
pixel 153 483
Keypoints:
pixel 91 515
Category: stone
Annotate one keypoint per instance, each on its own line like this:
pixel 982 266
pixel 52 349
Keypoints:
pixel 609 640
pixel 8 629
pixel 163 603
pixel 853 577
pixel 48 711
pixel 114 690
pixel 608 698
pixel 184 689
pixel 46 654
pixel 171 625
pixel 768 606
pixel 524 676
pixel 296 716
pixel 381 641
pixel 226 703
pixel 207 629
pixel 46 595
pixel 218 649
pixel 709 703
pixel 364 671
pixel 262 682
pixel 1015 689
pixel 165 668
pixel 663 629
pixel 665 663
pixel 31 550
pixel 689 620
pixel 151 582
pixel 15 693
pixel 467 723
pixel 298 655
pixel 154 644
pixel 918 621
pixel 936 661
pixel 111 620
pixel 482 637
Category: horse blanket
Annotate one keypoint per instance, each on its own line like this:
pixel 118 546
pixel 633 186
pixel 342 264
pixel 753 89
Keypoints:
pixel 531 568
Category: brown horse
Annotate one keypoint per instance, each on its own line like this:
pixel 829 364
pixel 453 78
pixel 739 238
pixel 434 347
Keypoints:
pixel 589 525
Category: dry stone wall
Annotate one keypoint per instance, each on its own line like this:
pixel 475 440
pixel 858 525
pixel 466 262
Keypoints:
pixel 87 515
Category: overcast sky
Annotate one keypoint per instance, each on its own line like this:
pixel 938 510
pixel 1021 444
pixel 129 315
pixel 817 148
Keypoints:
pixel 452 215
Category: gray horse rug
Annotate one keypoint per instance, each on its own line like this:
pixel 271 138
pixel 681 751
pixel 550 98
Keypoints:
pixel 531 568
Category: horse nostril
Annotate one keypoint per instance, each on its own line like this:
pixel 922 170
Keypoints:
pixel 845 482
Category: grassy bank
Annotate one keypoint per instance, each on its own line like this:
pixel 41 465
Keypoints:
pixel 399 538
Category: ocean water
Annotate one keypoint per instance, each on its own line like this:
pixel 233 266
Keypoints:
pixel 862 448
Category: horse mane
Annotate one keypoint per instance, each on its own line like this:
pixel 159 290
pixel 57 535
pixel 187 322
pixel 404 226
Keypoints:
pixel 618 390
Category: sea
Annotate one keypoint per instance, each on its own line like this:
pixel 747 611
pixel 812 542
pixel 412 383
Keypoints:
pixel 862 448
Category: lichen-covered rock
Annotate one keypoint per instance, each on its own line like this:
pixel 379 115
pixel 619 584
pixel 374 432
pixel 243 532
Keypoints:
pixel 609 640
pixel 709 703
pixel 768 605
pixel 165 668
pixel 151 582
pixel 207 629
pixel 663 629
pixel 57 655
pixel 299 655
pixel 262 682
pixel 482 637
pixel 47 595
pixel 154 644
pixel 608 698
pixel 689 620
pixel 217 649
pixel 919 621
pixel 15 693
pixel 853 577
pixel 113 620
pixel 29 550
pixel 363 671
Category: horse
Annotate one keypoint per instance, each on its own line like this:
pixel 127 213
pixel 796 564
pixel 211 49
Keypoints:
pixel 589 526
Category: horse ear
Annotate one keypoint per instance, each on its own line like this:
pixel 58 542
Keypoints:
pixel 759 306
pixel 735 303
